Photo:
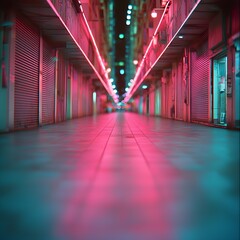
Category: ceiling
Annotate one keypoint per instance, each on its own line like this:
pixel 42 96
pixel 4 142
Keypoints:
pixel 120 11
pixel 120 37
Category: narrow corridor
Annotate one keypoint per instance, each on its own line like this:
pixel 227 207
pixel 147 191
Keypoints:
pixel 120 176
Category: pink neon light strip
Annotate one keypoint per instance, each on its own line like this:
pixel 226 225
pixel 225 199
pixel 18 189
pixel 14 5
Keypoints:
pixel 97 51
pixel 93 39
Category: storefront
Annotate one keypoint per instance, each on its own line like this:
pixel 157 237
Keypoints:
pixel 48 82
pixel 219 96
pixel 157 101
pixel 237 83
pixel 199 84
pixel 168 95
pixel 26 92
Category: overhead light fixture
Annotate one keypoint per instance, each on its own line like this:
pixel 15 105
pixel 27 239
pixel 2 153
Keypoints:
pixel 135 62
pixel 121 71
pixel 128 22
pixel 111 80
pixel 126 89
pixel 180 36
pixel 144 86
pixel 130 6
pixel 128 17
pixel 129 11
pixel 154 12
pixel 141 72
pixel 121 64
pixel 108 70
pixel 121 35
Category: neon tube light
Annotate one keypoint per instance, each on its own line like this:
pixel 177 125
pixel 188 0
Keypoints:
pixel 136 85
pixel 148 48
pixel 73 38
pixel 96 48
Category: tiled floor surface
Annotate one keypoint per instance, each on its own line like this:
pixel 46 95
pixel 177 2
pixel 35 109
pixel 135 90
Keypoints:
pixel 120 176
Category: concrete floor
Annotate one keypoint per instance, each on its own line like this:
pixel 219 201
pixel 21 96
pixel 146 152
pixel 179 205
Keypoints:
pixel 120 176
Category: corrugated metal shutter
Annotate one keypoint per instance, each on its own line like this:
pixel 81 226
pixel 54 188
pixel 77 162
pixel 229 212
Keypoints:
pixel 199 84
pixel 179 92
pixel 147 104
pixel 48 84
pixel 169 97
pixel 85 100
pixel 61 88
pixel 80 94
pixel 168 103
pixel 152 102
pixel 75 94
pixel 26 75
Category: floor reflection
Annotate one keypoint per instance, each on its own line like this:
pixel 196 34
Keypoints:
pixel 120 176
